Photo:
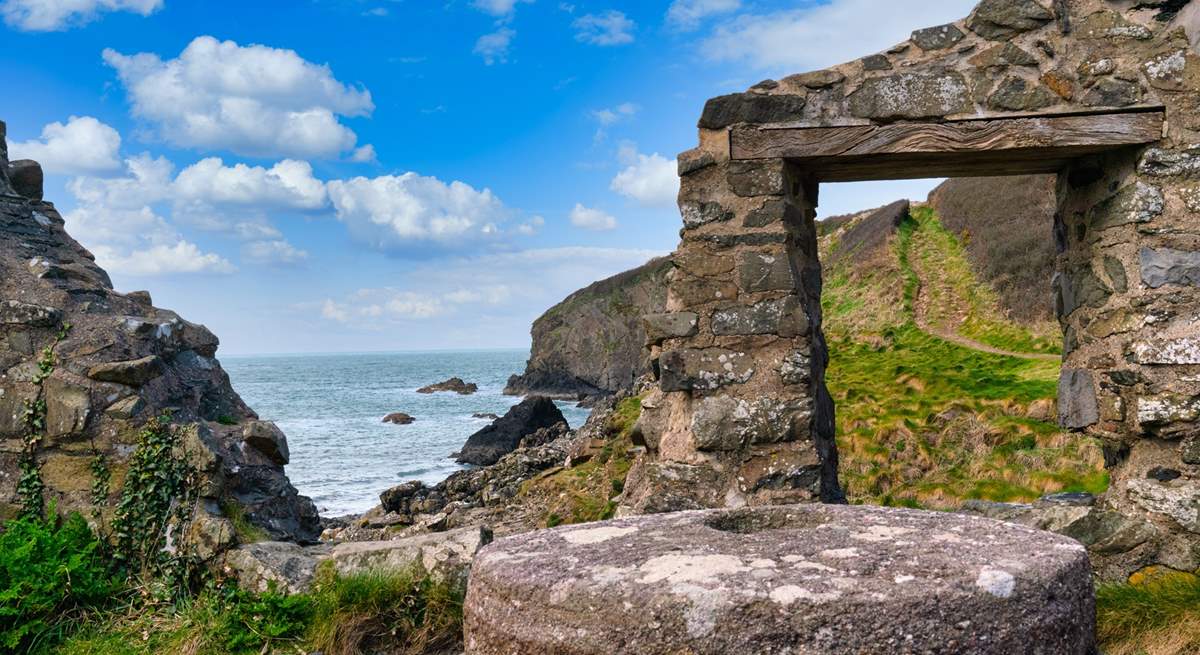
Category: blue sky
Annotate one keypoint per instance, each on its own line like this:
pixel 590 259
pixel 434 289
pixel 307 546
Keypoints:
pixel 346 175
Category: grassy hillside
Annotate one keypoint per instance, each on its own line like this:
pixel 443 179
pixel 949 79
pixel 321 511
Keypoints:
pixel 924 420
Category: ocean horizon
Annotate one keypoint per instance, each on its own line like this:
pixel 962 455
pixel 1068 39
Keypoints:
pixel 331 406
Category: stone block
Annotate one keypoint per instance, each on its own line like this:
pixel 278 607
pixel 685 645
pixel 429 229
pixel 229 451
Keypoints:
pixel 705 369
pixel 25 176
pixel 1167 409
pixel 796 368
pixel 15 312
pixel 268 439
pixel 724 423
pixel 727 110
pixel 68 407
pixel 813 578
pixel 937 38
pixel 1159 162
pixel 1163 266
pixel 133 373
pixel 764 272
pixel 692 291
pixel 1178 499
pixel 772 211
pixel 696 214
pixel 782 316
pixel 1077 406
pixel 756 178
pixel 1000 20
pixel 1162 350
pixel 911 95
pixel 660 327
pixel 1018 94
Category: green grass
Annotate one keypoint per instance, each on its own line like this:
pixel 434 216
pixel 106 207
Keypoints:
pixel 924 422
pixel 1155 614
pixel 588 491
pixel 397 612
pixel 957 299
pixel 247 532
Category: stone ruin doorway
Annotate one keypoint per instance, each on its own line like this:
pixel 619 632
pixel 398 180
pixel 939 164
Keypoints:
pixel 1105 98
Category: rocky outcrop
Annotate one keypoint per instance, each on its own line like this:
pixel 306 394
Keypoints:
pixel 457 385
pixel 103 364
pixel 398 418
pixel 787 579
pixel 591 343
pixel 505 434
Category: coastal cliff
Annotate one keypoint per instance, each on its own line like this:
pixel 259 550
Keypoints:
pixel 591 343
pixel 86 371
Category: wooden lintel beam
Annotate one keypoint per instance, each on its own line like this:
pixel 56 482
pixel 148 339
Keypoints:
pixel 943 146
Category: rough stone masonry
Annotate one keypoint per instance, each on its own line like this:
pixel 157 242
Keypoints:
pixel 741 415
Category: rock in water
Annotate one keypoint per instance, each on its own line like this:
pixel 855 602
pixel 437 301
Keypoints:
pixel 815 579
pixel 398 418
pixel 457 385
pixel 503 436
pixel 488 415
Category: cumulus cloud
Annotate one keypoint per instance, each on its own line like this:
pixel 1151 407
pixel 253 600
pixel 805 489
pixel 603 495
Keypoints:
pixel 139 242
pixel 498 8
pixel 402 211
pixel 275 252
pixel 510 288
pixel 607 29
pixel 591 219
pixel 610 115
pixel 288 184
pixel 652 180
pixel 56 15
pixel 83 145
pixel 822 35
pixel 687 14
pixel 494 46
pixel 253 100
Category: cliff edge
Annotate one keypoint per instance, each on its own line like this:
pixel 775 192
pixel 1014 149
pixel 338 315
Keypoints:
pixel 84 369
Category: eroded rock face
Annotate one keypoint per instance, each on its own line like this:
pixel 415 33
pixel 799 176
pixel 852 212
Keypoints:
pixel 817 579
pixel 590 344
pixel 503 436
pixel 118 363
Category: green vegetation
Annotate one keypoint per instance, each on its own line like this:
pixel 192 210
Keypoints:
pixel 587 491
pixel 1157 613
pixel 247 532
pixel 401 611
pixel 928 423
pixel 53 573
pixel 956 300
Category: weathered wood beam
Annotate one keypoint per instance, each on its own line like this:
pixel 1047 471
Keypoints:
pixel 1001 146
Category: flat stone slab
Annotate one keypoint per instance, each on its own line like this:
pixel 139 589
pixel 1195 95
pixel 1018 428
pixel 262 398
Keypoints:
pixel 802 579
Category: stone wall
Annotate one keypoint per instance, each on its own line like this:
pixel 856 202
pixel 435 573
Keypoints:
pixel 83 368
pixel 741 414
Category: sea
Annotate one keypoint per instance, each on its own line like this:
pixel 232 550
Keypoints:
pixel 331 408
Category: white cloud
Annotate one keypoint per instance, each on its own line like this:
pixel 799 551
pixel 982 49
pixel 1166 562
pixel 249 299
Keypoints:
pixel 277 252
pixel 83 145
pixel 55 15
pixel 531 226
pixel 608 116
pixel 513 287
pixel 138 242
pixel 651 180
pixel 607 29
pixel 822 35
pixel 364 155
pixel 591 219
pixel 288 184
pixel 252 100
pixel 147 180
pixel 493 47
pixel 687 14
pixel 180 257
pixel 497 8
pixel 397 212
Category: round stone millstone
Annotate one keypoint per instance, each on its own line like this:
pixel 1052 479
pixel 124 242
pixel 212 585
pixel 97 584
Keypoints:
pixel 801 579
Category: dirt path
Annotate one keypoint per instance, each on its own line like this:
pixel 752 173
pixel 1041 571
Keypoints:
pixel 921 318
